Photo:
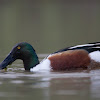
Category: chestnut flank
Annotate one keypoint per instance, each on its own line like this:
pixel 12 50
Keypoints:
pixel 71 59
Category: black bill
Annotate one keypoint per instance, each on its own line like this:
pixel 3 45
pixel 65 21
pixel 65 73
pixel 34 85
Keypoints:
pixel 7 61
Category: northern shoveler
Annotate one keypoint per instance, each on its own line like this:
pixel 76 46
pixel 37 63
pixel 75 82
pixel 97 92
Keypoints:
pixel 80 56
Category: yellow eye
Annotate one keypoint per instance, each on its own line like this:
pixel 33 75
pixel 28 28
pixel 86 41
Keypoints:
pixel 18 47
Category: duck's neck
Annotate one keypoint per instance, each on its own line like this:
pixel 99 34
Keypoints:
pixel 30 62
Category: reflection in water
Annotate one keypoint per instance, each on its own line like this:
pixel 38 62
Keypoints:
pixel 95 87
pixel 18 84
pixel 52 86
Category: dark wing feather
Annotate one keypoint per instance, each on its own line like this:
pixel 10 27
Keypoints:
pixel 90 47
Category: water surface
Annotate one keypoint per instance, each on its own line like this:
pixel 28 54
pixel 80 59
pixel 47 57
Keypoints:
pixel 49 25
pixel 76 85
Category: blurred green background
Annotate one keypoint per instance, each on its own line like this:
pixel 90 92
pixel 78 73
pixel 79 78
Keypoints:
pixel 48 25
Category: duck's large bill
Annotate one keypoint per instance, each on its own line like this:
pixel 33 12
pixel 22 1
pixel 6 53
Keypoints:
pixel 7 61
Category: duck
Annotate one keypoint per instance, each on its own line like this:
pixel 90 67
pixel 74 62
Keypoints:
pixel 73 57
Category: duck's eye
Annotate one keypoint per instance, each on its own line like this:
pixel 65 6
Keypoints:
pixel 18 47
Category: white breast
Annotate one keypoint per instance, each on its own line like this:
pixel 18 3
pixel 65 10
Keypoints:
pixel 43 66
pixel 95 56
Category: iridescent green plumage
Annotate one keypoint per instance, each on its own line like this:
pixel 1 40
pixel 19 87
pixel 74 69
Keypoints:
pixel 23 51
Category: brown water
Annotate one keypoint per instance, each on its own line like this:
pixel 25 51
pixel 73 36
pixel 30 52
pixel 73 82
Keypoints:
pixel 16 84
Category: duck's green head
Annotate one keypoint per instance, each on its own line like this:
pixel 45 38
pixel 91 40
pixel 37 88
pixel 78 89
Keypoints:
pixel 23 51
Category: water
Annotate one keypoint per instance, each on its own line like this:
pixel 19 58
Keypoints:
pixel 49 25
pixel 77 85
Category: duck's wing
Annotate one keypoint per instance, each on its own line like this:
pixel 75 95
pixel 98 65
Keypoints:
pixel 90 47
